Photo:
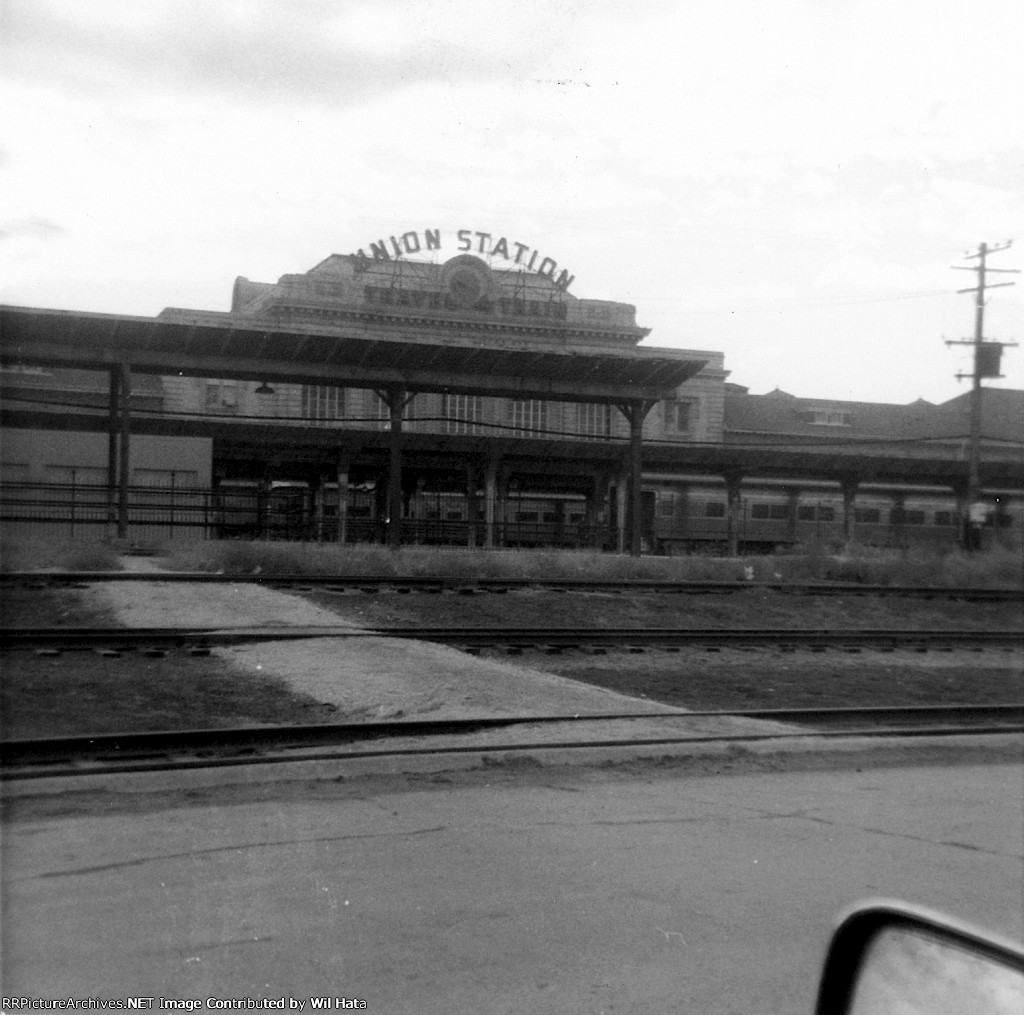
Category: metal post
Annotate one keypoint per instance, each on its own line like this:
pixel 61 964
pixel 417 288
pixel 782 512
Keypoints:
pixel 319 492
pixel 490 501
pixel 342 475
pixel 733 480
pixel 123 463
pixel 849 486
pixel 471 485
pixel 620 512
pixel 636 428
pixel 793 506
pixel 396 405
pixel 635 413
pixel 115 395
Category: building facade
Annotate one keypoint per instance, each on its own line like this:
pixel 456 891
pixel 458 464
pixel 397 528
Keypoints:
pixel 378 397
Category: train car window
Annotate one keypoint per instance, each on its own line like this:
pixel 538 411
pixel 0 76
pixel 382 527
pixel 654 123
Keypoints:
pixel 826 514
pixel 805 513
pixel 943 517
pixel 913 517
pixel 780 512
pixel 760 511
pixel 870 516
pixel 714 509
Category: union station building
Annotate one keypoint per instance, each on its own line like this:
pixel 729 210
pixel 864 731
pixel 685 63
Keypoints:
pixel 469 399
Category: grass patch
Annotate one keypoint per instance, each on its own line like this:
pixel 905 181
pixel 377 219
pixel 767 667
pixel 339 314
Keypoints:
pixel 998 568
pixel 32 554
pixel 745 608
pixel 738 680
pixel 78 693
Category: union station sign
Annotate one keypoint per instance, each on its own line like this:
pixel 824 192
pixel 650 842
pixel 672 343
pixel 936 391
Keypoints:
pixel 469 241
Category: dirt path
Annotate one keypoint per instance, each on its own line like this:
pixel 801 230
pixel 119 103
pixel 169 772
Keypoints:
pixel 375 677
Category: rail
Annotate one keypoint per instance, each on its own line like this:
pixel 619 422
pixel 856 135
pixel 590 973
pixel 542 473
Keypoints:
pixel 562 637
pixel 419 583
pixel 185 749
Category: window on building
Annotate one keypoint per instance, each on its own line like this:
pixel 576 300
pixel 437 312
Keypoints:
pixel 221 396
pixel 593 420
pixel 322 403
pixel 462 413
pixel 827 417
pixel 680 416
pixel 529 416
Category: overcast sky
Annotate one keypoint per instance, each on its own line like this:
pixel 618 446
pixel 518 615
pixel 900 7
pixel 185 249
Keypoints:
pixel 788 182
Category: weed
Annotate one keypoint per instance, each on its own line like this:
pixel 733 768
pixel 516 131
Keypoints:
pixel 64 555
pixel 997 568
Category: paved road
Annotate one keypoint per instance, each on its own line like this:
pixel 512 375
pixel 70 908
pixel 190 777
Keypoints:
pixel 587 894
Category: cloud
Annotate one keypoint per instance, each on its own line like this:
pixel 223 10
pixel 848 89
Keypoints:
pixel 262 50
pixel 30 228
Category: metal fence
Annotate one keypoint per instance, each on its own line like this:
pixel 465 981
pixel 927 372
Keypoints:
pixel 295 511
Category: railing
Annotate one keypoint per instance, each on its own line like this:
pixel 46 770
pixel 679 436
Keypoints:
pixel 293 511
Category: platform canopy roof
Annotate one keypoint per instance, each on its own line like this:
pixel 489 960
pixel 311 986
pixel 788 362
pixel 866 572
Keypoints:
pixel 367 354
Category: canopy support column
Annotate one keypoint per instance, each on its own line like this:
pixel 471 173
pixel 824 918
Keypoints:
pixel 124 456
pixel 472 483
pixel 112 409
pixel 396 400
pixel 849 485
pixel 636 412
pixel 733 478
pixel 341 475
pixel 490 501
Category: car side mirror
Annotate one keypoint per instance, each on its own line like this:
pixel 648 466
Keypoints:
pixel 887 959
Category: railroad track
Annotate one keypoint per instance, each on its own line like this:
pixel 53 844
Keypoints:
pixel 541 638
pixel 371 584
pixel 186 749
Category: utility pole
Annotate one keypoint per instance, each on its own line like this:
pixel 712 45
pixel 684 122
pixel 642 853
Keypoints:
pixel 986 360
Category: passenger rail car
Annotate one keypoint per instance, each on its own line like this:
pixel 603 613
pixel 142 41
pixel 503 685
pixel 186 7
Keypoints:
pixel 679 515
pixel 693 517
